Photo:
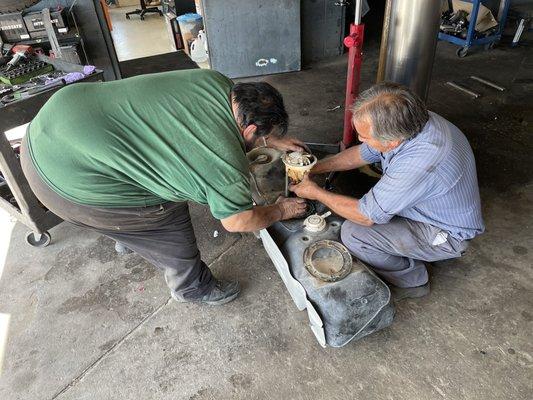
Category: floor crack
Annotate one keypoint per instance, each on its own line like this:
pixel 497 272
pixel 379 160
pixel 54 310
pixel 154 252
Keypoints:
pixel 115 346
pixel 111 349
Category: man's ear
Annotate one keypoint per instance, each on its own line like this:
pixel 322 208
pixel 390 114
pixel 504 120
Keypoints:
pixel 392 144
pixel 249 132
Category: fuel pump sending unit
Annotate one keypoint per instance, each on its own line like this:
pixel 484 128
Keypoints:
pixel 297 165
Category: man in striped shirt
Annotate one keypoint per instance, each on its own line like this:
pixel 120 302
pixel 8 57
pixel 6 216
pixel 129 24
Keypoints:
pixel 425 207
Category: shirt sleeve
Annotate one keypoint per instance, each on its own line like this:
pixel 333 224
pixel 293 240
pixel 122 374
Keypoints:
pixel 368 154
pixel 401 187
pixel 227 200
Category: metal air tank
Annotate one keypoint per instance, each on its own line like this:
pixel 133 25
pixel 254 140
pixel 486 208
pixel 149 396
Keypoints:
pixel 408 43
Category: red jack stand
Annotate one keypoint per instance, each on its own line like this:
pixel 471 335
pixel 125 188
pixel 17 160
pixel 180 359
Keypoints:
pixel 354 42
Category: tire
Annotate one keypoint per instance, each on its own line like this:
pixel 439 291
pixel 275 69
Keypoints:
pixel 10 6
pixel 462 52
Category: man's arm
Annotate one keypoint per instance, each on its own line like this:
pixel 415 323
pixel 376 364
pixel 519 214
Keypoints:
pixel 261 217
pixel 343 161
pixel 345 206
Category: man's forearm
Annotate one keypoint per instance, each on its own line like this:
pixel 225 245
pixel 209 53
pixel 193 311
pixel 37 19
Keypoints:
pixel 345 206
pixel 255 219
pixel 344 161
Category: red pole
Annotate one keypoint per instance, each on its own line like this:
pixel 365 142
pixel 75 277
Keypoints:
pixel 354 42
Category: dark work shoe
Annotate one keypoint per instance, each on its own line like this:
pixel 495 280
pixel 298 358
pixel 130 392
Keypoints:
pixel 223 292
pixel 121 249
pixel 399 293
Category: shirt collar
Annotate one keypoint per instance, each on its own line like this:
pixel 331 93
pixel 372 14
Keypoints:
pixel 425 129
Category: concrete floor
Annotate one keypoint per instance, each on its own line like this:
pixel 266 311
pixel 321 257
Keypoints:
pixel 88 324
pixel 134 38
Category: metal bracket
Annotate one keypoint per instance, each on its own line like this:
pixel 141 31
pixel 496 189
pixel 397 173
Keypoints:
pixel 51 33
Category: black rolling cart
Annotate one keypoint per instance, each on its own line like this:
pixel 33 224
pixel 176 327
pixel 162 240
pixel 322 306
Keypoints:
pixel 16 196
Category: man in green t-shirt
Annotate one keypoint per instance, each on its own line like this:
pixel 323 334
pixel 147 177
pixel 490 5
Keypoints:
pixel 124 157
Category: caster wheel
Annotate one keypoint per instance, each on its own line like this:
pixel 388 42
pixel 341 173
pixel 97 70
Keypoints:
pixel 142 18
pixel 490 46
pixel 36 241
pixel 127 17
pixel 462 52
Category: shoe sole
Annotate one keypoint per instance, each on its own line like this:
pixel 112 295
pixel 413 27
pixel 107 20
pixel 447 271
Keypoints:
pixel 209 303
pixel 221 301
pixel 410 293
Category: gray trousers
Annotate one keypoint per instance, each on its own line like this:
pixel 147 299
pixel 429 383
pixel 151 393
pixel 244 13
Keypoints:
pixel 163 234
pixel 396 251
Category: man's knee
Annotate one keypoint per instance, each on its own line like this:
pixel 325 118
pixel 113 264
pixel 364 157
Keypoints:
pixel 352 235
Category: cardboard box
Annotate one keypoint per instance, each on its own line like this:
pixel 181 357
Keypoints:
pixel 485 19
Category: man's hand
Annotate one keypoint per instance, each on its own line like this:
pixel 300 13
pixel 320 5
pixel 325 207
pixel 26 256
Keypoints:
pixel 291 207
pixel 306 189
pixel 345 206
pixel 286 144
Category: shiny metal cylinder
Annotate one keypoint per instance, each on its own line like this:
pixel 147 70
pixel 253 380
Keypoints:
pixel 409 41
pixel 358 11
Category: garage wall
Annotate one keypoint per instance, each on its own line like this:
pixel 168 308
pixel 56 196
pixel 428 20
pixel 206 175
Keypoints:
pixel 253 37
pixel 322 29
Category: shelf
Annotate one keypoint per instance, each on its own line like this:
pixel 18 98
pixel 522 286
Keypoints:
pixel 67 37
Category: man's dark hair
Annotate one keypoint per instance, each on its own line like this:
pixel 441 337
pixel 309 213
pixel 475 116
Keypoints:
pixel 260 104
pixel 394 111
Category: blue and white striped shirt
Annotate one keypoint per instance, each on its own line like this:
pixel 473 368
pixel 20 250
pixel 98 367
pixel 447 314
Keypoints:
pixel 429 178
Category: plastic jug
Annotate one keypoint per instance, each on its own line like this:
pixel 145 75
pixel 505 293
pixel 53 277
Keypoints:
pixel 199 52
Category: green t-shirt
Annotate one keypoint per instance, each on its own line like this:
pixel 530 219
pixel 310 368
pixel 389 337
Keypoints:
pixel 143 141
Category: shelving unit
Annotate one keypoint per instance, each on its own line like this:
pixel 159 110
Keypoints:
pixel 471 39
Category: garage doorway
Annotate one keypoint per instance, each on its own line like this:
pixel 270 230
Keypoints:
pixel 135 37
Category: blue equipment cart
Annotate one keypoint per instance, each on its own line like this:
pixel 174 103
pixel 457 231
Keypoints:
pixel 471 40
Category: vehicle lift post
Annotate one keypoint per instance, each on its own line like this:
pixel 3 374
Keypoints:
pixel 354 43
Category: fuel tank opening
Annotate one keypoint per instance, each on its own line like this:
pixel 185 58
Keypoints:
pixel 328 260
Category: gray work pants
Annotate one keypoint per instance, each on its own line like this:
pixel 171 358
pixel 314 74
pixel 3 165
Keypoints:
pixel 163 234
pixel 396 251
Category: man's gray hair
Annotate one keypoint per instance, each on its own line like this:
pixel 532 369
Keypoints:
pixel 393 110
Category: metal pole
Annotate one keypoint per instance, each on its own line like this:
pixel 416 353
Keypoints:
pixel 410 40
pixel 501 9
pixel 488 83
pixel 519 32
pixel 463 89
pixel 354 43
pixel 358 11
pixel 384 42
pixel 54 43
